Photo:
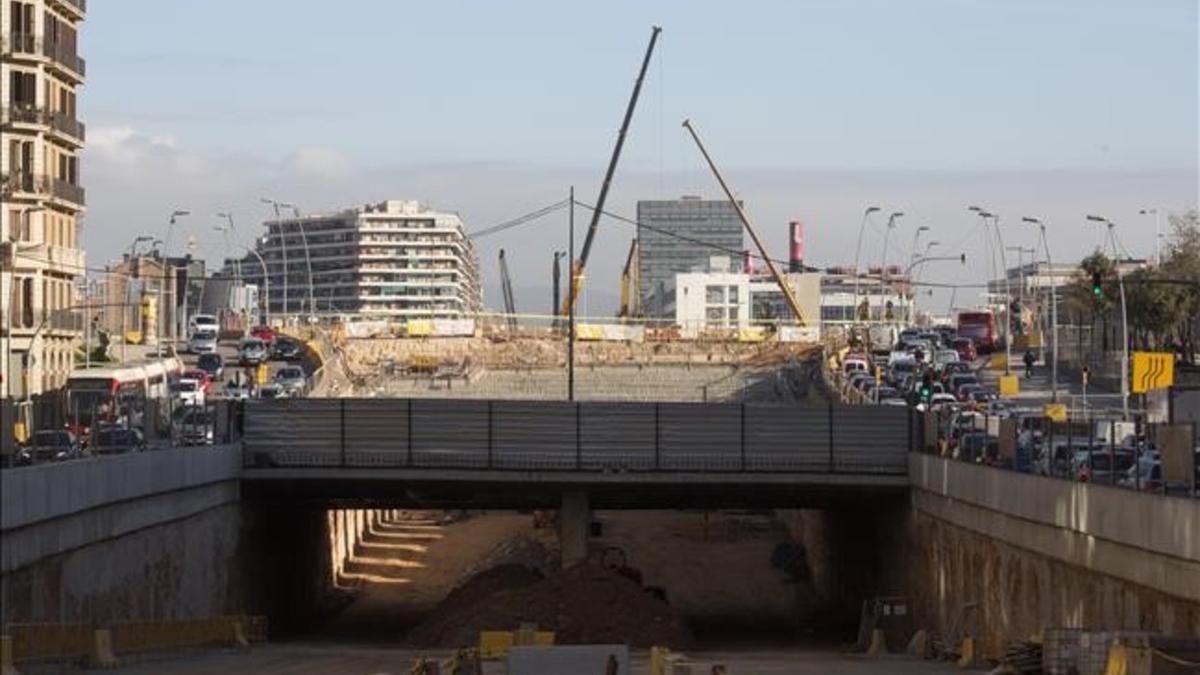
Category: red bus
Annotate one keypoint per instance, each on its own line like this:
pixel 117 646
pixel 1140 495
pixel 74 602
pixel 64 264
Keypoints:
pixel 981 328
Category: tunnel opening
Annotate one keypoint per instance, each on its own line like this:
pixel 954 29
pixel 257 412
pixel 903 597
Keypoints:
pixel 433 577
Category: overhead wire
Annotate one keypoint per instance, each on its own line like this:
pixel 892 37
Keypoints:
pixel 520 220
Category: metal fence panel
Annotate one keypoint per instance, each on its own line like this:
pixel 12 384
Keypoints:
pixel 787 438
pixel 616 436
pixel 450 433
pixel 295 432
pixel 533 435
pixel 376 432
pixel 870 439
pixel 699 437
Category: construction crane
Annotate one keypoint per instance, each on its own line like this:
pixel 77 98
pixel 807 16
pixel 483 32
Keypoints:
pixel 788 295
pixel 510 305
pixel 630 283
pixel 578 266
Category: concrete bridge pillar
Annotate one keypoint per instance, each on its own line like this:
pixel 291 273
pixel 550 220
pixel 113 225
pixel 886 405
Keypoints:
pixel 574 525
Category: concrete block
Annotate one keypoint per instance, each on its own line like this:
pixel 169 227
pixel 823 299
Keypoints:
pixel 878 645
pixel 918 646
pixel 568 659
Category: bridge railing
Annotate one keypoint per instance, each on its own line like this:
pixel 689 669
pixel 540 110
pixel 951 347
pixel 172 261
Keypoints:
pixel 576 436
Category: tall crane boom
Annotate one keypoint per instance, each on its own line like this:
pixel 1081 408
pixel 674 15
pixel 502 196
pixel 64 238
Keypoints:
pixel 788 295
pixel 510 305
pixel 577 266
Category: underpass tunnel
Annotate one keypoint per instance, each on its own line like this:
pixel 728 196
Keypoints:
pixel 734 576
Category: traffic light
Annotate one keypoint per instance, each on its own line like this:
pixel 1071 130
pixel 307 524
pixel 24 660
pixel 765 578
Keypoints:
pixel 1097 285
pixel 926 389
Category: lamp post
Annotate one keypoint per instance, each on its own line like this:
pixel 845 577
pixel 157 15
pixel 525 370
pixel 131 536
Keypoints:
pixel 307 259
pixel 883 265
pixel 1158 235
pixel 1053 309
pixel 858 251
pixel 985 215
pixel 916 264
pixel 283 245
pixel 1112 240
pixel 166 271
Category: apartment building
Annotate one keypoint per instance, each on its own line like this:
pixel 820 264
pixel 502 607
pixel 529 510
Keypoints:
pixel 395 259
pixel 41 216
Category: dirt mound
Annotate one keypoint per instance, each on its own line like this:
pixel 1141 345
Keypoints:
pixel 584 604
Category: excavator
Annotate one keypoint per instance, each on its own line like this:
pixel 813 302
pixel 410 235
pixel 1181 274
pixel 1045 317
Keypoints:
pixel 510 304
pixel 630 284
pixel 577 266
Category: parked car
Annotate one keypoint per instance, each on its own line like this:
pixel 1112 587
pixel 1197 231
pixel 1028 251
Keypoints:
pixel 49 445
pixel 252 351
pixel 286 349
pixel 292 379
pixel 212 364
pixel 965 348
pixel 111 440
pixel 264 333
pixel 187 392
pixel 192 425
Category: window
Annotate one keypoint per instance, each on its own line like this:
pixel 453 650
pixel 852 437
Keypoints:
pixel 733 294
pixel 714 295
pixel 715 315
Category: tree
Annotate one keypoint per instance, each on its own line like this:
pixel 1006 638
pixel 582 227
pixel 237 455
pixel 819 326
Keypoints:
pixel 1079 298
pixel 1181 266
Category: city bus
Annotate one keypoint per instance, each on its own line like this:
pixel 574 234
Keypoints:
pixel 119 392
pixel 980 326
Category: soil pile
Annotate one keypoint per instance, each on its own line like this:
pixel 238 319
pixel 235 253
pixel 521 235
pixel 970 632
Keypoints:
pixel 586 604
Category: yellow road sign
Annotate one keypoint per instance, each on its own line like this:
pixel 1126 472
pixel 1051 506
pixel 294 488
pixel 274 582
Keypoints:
pixel 1056 412
pixel 1152 370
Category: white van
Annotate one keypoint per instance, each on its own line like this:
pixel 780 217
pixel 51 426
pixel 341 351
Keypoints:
pixel 206 321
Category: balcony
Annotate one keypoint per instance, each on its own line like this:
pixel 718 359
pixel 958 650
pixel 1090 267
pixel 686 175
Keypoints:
pixel 76 8
pixel 66 191
pixel 67 126
pixel 23 113
pixel 24 182
pixel 61 55
pixel 18 44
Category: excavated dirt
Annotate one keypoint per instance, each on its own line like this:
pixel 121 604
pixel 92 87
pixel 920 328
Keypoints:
pixel 584 604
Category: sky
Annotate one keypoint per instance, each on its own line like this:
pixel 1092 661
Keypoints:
pixel 814 109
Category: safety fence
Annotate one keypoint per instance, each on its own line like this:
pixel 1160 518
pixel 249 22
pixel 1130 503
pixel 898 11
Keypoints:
pixel 1147 457
pixel 103 644
pixel 576 436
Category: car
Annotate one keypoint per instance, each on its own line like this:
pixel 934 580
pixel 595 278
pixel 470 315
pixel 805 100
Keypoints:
pixel 966 392
pixel 944 357
pixel 955 368
pixel 202 341
pixel 187 392
pixel 200 375
pixel 50 445
pixel 212 364
pixel 982 398
pixel 207 321
pixel 958 380
pixel 272 390
pixel 264 333
pixel 941 400
pixel 851 365
pixel 292 379
pixel 237 389
pixel 252 351
pixel 192 425
pixel 111 440
pixel 1099 465
pixel 965 348
pixel 286 349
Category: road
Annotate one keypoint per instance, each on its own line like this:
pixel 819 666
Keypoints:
pixel 1036 391
pixel 359 659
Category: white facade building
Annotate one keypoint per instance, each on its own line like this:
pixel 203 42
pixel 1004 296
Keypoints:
pixel 395 259
pixel 41 217
pixel 724 300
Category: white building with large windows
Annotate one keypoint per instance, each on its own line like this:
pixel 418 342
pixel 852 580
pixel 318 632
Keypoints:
pixel 391 260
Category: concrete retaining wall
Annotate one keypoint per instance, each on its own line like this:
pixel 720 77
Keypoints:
pixel 140 536
pixel 1035 552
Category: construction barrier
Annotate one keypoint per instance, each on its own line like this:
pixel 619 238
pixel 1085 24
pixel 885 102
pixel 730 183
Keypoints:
pixel 103 645
pixel 496 644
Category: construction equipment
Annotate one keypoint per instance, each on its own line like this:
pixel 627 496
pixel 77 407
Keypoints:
pixel 630 284
pixel 510 305
pixel 577 266
pixel 788 294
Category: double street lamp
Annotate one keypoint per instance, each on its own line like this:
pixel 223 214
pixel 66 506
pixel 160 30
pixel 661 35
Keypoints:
pixel 858 252
pixel 1112 239
pixel 883 264
pixel 985 215
pixel 1053 308
pixel 277 205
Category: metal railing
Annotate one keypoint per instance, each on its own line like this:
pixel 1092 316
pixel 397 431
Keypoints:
pixel 24 181
pixel 575 436
pixel 64 56
pixel 67 125
pixel 21 43
pixel 66 190
pixel 23 113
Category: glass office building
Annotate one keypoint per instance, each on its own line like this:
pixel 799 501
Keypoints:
pixel 681 235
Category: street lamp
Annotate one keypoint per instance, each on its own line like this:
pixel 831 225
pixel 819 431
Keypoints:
pixel 1112 239
pixel 917 263
pixel 857 251
pixel 1053 309
pixel 883 265
pixel 283 245
pixel 985 215
pixel 1158 235
pixel 307 259
pixel 166 271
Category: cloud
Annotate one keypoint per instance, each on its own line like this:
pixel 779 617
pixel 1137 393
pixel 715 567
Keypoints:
pixel 319 163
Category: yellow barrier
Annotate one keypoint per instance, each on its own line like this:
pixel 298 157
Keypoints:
pixel 419 328
pixel 496 644
pixel 52 642
pixel 967 659
pixel 1009 385
pixel 752 334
